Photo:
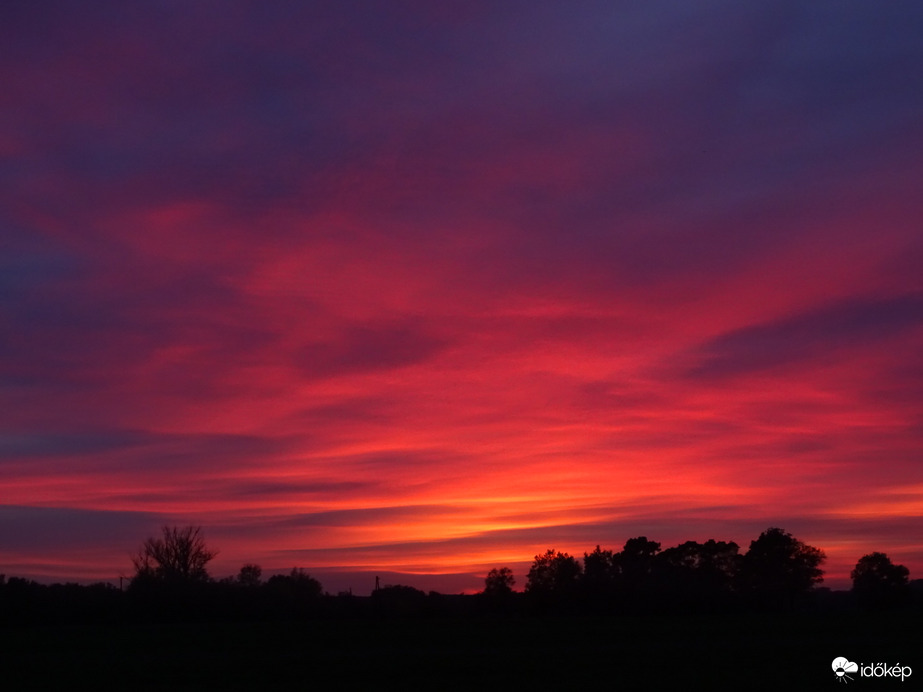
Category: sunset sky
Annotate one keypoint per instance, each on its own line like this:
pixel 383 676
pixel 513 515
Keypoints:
pixel 420 289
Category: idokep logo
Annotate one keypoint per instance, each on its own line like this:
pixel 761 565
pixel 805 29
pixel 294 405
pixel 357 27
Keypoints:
pixel 843 666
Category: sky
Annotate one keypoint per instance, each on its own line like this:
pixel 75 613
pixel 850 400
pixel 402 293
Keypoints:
pixel 419 289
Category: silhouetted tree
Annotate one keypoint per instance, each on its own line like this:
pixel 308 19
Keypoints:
pixel 250 575
pixel 778 567
pixel 599 571
pixel 879 583
pixel 638 552
pixel 178 557
pixel 635 564
pixel 553 573
pixel 716 561
pixel 700 574
pixel 499 582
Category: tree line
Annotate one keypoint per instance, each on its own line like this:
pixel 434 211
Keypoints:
pixel 171 581
pixel 778 571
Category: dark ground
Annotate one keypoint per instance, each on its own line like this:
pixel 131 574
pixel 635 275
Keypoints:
pixel 734 651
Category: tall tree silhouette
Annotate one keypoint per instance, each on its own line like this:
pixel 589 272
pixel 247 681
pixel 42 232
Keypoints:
pixel 179 556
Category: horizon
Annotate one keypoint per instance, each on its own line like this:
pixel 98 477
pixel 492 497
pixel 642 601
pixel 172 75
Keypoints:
pixel 361 582
pixel 425 290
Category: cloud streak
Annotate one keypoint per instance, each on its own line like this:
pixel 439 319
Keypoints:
pixel 809 337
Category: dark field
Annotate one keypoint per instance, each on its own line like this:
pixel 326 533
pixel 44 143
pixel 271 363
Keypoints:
pixel 738 651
